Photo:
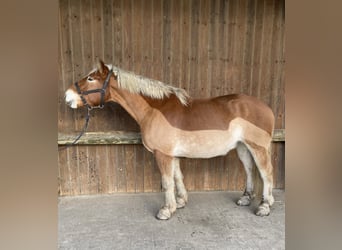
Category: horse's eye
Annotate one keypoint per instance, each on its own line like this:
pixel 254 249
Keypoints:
pixel 89 79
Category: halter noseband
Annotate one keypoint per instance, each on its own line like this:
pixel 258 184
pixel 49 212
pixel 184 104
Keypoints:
pixel 102 91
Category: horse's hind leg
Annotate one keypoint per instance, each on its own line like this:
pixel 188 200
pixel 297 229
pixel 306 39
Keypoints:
pixel 182 195
pixel 262 157
pixel 247 161
pixel 166 166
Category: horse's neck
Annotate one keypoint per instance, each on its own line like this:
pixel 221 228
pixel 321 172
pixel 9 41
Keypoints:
pixel 134 104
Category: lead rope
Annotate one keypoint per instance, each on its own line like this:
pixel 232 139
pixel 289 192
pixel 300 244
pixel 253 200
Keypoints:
pixel 85 126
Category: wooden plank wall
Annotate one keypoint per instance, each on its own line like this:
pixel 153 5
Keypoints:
pixel 208 47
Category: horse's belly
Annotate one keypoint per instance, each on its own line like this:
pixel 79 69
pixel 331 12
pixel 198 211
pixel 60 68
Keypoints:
pixel 205 144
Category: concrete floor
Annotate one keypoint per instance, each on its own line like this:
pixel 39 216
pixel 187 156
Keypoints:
pixel 211 220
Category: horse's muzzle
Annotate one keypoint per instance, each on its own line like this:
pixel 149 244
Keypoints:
pixel 71 98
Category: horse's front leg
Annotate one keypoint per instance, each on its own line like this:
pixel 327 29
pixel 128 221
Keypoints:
pixel 166 166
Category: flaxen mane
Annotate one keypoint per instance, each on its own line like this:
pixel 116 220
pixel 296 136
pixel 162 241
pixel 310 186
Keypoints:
pixel 148 87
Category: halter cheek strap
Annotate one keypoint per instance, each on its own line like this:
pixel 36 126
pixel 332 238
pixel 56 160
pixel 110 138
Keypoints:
pixel 102 91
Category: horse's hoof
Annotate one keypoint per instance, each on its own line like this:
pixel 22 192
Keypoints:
pixel 244 201
pixel 164 214
pixel 263 210
pixel 180 202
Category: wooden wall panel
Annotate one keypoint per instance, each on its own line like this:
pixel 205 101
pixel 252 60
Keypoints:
pixel 208 47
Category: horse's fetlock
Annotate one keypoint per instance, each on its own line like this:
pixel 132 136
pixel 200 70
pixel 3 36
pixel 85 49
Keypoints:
pixel 250 194
pixel 181 202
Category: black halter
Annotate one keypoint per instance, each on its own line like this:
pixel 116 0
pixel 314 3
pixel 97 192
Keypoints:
pixel 102 91
pixel 82 94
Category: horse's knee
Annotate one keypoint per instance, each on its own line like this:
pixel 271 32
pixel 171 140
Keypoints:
pixel 168 184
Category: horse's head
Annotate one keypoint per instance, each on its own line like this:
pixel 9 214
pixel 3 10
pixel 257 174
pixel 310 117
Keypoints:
pixel 91 90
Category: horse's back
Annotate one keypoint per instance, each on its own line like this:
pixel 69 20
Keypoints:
pixel 248 108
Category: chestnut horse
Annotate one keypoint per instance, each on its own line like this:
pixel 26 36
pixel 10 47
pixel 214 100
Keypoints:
pixel 173 125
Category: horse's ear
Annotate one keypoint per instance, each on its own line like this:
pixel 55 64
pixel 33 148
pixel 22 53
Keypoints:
pixel 101 66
